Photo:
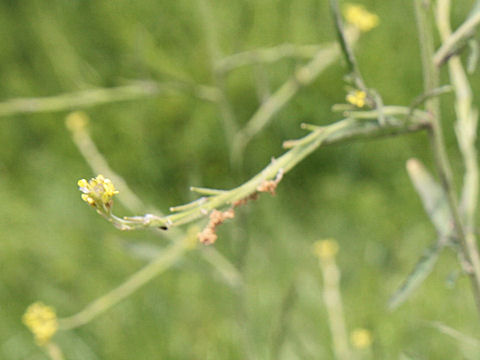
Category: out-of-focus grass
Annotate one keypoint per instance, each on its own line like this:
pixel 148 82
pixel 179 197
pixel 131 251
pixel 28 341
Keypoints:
pixel 54 248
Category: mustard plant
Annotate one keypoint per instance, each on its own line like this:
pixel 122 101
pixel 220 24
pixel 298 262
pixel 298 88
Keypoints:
pixel 365 116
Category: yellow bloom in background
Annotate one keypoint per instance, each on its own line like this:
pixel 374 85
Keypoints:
pixel 325 249
pixel 98 190
pixel 76 121
pixel 360 17
pixel 42 322
pixel 361 338
pixel 357 98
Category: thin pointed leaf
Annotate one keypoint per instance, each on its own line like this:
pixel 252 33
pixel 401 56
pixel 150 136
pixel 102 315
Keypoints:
pixel 433 197
pixel 345 47
pixel 422 269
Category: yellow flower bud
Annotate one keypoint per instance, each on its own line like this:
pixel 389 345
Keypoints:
pixel 357 98
pixel 325 249
pixel 361 338
pixel 359 17
pixel 42 322
pixel 97 191
pixel 76 121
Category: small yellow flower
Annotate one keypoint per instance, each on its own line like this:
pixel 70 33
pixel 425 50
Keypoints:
pixel 42 322
pixel 76 121
pixel 359 17
pixel 325 249
pixel 97 191
pixel 357 98
pixel 361 338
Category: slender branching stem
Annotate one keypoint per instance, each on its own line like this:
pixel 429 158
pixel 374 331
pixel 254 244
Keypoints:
pixel 347 129
pixel 302 77
pixel 346 46
pixel 449 43
pixel 442 163
pixel 466 128
pixel 133 203
pixel 99 96
pixel 333 303
pixel 137 280
pixel 54 351
pixel 266 56
pixel 226 110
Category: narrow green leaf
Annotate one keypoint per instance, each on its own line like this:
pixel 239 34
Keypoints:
pixel 433 197
pixel 422 269
pixel 346 48
pixel 436 205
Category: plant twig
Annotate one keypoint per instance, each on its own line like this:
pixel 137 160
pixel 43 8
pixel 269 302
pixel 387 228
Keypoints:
pixel 344 130
pixel 130 200
pixel 442 163
pixel 333 298
pixel 346 47
pixel 349 55
pixel 266 55
pixel 281 328
pixel 137 280
pixel 455 334
pixel 98 96
pixel 302 77
pixel 419 100
pixel 466 129
pixel 54 351
pixel 226 111
pixel 452 41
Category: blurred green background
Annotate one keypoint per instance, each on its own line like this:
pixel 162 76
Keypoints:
pixel 55 249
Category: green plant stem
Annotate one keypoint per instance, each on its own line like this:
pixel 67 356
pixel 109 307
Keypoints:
pixel 463 32
pixel 281 328
pixel 386 110
pixel 466 128
pixel 346 46
pixel 226 111
pixel 99 165
pixel 54 351
pixel 430 74
pixel 340 131
pixel 302 77
pixel 455 334
pixel 133 203
pixel 266 55
pixel 262 85
pixel 441 159
pixel 333 303
pixel 98 96
pixel 140 278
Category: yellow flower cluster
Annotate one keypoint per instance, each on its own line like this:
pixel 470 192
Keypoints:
pixel 361 338
pixel 42 322
pixel 357 98
pixel 359 17
pixel 97 190
pixel 325 249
